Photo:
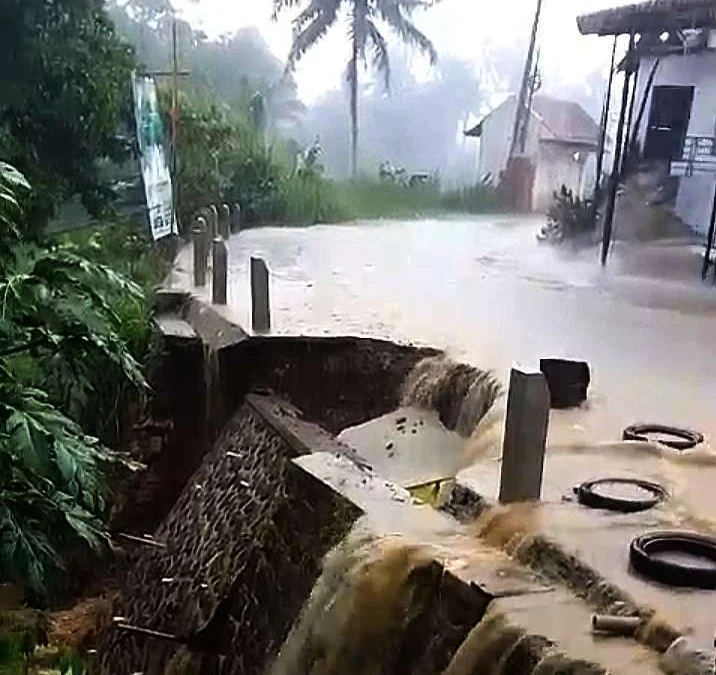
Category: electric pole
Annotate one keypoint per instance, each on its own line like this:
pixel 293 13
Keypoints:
pixel 524 100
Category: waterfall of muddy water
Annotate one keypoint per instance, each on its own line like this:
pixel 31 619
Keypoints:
pixel 461 394
pixel 371 613
pixel 355 610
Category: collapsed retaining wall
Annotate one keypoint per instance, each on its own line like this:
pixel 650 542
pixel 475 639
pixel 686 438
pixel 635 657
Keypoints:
pixel 239 553
pixel 208 366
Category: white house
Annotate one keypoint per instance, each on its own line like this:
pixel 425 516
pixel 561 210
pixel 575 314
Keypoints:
pixel 675 91
pixel 562 140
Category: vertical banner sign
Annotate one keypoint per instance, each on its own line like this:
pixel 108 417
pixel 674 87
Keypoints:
pixel 152 157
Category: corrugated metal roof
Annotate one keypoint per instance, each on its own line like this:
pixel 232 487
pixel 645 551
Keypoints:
pixel 565 121
pixel 562 121
pixel 650 15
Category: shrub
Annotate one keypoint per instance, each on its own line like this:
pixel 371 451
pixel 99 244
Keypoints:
pixel 569 218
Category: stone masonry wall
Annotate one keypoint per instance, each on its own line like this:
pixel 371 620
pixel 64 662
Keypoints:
pixel 244 544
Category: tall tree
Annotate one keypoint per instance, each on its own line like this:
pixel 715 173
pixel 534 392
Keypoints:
pixel 365 16
pixel 64 78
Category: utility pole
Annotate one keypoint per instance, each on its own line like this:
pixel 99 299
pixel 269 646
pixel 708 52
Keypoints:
pixel 534 85
pixel 519 133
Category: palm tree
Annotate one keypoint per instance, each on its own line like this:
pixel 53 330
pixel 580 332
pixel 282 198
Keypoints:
pixel 317 16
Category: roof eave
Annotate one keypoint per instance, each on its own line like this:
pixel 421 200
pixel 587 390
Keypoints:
pixel 655 15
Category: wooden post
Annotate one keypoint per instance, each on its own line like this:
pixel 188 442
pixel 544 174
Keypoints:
pixel 710 241
pixel 603 137
pixel 224 221
pixel 523 448
pixel 199 236
pixel 644 99
pixel 626 155
pixel 219 271
pixel 522 114
pixel 260 303
pixel 236 218
pixel 616 173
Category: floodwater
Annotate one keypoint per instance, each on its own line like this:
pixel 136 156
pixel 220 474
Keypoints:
pixel 481 288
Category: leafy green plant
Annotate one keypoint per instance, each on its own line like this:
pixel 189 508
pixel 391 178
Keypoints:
pixel 479 198
pixel 66 98
pixel 58 328
pixel 569 218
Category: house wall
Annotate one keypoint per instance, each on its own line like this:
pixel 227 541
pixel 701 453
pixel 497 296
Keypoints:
pixel 692 70
pixel 557 167
pixel 497 137
pixel 695 195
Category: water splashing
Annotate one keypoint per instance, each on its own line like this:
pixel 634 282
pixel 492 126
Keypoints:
pixel 461 394
pixel 355 610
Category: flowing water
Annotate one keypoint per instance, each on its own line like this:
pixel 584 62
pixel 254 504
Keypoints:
pixel 480 288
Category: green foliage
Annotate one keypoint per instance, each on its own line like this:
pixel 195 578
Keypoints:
pixel 368 198
pixel 231 69
pixel 569 218
pixel 65 95
pixel 479 198
pixel 60 341
pixel 224 157
pixel 22 631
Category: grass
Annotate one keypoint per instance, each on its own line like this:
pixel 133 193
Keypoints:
pixel 365 198
pixel 305 200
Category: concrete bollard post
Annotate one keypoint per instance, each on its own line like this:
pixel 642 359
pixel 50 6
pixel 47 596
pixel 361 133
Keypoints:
pixel 236 218
pixel 219 271
pixel 199 237
pixel 525 437
pixel 213 221
pixel 224 221
pixel 260 309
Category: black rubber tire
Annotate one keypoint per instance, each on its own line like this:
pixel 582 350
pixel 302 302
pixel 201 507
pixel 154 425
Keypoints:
pixel 684 439
pixel 587 496
pixel 672 573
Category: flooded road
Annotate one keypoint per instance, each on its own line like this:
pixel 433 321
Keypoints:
pixel 481 288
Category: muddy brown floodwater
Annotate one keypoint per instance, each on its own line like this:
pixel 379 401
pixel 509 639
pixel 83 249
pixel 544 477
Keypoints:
pixel 481 288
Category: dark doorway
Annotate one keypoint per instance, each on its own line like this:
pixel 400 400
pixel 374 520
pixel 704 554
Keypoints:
pixel 668 122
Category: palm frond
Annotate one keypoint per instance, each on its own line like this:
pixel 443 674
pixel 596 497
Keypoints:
pixel 391 11
pixel 306 38
pixel 381 58
pixel 282 5
pixel 312 10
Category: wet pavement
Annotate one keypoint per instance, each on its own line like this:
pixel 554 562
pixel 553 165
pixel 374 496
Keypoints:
pixel 482 288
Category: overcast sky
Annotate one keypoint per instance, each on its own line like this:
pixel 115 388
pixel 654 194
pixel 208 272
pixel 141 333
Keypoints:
pixel 458 27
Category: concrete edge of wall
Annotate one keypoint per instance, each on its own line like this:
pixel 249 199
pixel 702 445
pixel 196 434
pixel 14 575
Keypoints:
pixel 557 564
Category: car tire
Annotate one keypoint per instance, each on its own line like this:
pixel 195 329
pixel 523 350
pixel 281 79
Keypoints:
pixel 588 496
pixel 642 556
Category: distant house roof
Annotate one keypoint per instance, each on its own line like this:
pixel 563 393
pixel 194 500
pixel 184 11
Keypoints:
pixel 562 121
pixel 651 15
